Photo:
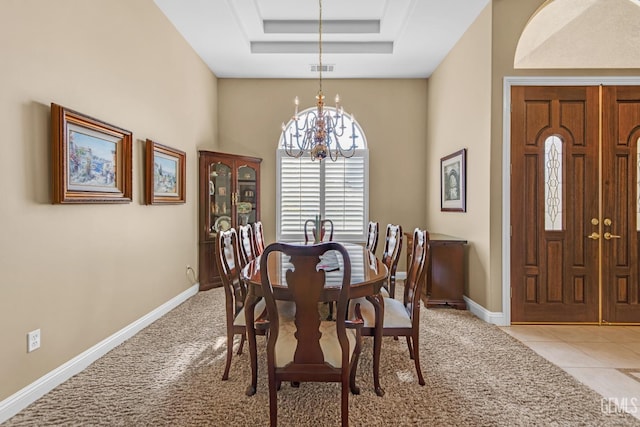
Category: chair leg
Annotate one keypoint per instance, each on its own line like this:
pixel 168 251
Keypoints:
pixel 416 358
pixel 330 316
pixel 273 402
pixel 411 347
pixel 225 375
pixel 344 407
pixel 354 368
pixel 242 340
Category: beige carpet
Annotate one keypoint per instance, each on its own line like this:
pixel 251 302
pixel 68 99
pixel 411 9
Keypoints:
pixel 169 374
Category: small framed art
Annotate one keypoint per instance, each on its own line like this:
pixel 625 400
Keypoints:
pixel 164 174
pixel 91 159
pixel 453 182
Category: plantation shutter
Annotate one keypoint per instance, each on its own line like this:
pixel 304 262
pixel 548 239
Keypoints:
pixel 337 190
pixel 299 195
pixel 344 197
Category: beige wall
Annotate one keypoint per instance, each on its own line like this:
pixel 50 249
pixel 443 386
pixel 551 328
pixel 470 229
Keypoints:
pixel 458 117
pixel 391 112
pixel 81 273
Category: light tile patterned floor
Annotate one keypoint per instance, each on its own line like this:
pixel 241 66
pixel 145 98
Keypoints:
pixel 605 358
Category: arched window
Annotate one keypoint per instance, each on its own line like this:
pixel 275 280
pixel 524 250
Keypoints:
pixel 337 190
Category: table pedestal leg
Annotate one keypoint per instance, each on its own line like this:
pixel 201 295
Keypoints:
pixel 249 309
pixel 378 305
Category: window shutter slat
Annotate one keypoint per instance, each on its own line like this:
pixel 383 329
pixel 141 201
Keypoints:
pixel 337 190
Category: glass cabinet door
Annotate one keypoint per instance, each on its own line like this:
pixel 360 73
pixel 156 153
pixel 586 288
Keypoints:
pixel 246 198
pixel 220 197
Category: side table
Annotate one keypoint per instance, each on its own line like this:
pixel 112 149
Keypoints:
pixel 445 277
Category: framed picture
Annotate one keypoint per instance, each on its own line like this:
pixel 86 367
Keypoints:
pixel 453 182
pixel 164 174
pixel 91 159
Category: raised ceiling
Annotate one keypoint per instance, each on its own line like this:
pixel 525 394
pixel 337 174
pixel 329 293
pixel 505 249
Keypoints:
pixel 361 38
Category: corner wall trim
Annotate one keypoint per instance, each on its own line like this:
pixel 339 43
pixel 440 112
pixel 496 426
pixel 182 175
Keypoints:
pixel 493 317
pixel 25 397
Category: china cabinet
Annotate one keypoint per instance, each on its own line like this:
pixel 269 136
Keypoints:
pixel 229 197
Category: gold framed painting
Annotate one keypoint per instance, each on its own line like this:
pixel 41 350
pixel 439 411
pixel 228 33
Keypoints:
pixel 91 159
pixel 164 174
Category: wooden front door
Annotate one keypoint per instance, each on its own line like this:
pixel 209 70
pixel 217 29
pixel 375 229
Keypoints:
pixel 620 135
pixel 574 190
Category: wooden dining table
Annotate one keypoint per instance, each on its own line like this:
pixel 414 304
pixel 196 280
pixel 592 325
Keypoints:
pixel 368 274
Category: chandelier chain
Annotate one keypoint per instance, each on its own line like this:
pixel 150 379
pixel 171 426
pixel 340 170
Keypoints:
pixel 320 42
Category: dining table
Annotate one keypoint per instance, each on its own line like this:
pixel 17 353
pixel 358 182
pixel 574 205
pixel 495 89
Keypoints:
pixel 368 274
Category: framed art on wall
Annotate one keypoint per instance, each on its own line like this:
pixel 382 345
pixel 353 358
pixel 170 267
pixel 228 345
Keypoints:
pixel 91 159
pixel 164 174
pixel 453 182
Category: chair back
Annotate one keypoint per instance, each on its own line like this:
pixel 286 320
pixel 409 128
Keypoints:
pixel 306 284
pixel 258 238
pixel 372 236
pixel 326 230
pixel 245 235
pixel 391 255
pixel 418 263
pixel 229 267
pixel 307 348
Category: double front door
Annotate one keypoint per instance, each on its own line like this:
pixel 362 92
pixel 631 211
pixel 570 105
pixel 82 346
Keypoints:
pixel 575 204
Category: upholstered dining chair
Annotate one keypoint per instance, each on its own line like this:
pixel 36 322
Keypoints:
pixel 402 318
pixel 246 245
pixel 306 348
pixel 258 238
pixel 235 293
pixel 372 236
pixel 326 230
pixel 390 257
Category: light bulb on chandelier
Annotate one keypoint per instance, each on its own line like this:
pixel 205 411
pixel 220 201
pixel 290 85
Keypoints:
pixel 319 133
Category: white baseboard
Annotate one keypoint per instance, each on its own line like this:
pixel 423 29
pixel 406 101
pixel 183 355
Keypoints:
pixel 25 397
pixel 494 317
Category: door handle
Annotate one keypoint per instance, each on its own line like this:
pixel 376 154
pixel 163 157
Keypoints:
pixel 610 236
pixel 594 236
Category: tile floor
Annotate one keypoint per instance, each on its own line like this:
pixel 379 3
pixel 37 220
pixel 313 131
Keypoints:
pixel 605 358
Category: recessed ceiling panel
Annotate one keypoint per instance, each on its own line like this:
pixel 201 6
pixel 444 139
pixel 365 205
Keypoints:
pixel 413 35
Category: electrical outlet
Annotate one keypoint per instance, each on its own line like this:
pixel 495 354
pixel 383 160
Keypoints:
pixel 191 275
pixel 33 340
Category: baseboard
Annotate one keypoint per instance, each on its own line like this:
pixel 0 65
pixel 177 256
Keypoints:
pixel 25 397
pixel 494 317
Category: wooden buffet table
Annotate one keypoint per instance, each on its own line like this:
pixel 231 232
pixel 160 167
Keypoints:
pixel 445 277
pixel 368 274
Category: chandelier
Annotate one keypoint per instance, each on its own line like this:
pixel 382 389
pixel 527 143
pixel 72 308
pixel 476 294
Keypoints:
pixel 320 131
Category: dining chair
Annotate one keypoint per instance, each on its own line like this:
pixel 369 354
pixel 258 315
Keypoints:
pixel 372 236
pixel 326 230
pixel 247 244
pixel 390 257
pixel 305 348
pixel 309 236
pixel 235 293
pixel 258 238
pixel 402 318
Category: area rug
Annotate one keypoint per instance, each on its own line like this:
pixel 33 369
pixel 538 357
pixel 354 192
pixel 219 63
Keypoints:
pixel 169 375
